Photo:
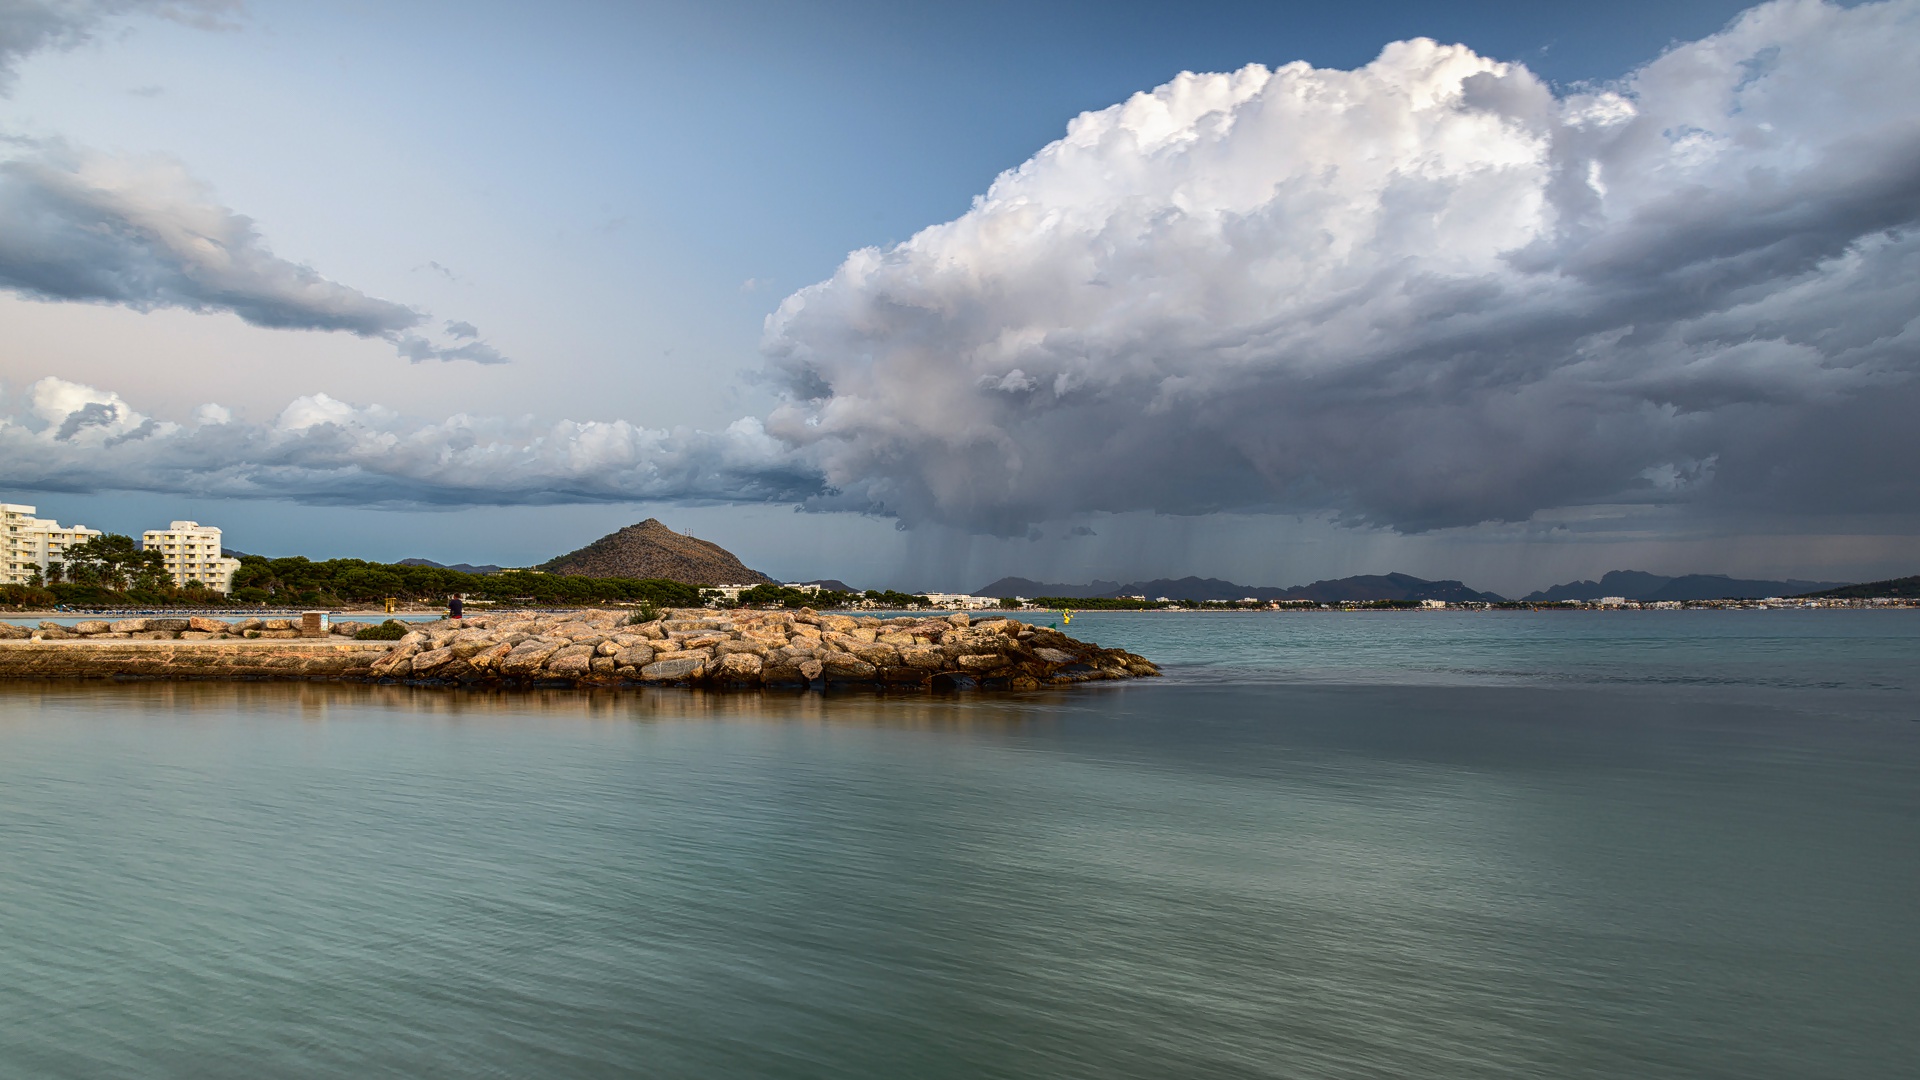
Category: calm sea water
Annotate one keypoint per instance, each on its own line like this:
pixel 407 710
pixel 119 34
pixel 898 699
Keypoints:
pixel 1570 845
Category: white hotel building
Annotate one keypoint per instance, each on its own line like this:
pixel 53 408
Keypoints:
pixel 28 543
pixel 192 554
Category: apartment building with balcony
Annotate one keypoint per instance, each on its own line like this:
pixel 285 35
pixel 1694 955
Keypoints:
pixel 191 553
pixel 28 543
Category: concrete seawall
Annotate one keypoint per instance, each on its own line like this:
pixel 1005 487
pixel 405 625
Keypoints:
pixel 189 659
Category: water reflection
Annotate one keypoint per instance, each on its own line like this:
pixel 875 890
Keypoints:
pixel 317 702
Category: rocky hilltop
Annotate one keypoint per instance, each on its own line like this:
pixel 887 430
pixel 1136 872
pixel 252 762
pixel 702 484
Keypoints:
pixel 651 550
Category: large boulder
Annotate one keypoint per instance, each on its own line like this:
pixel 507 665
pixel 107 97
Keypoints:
pixel 526 658
pixel 691 667
pixel 571 662
pixel 740 667
pixel 637 656
pixel 922 657
pixel 432 658
pixel 846 667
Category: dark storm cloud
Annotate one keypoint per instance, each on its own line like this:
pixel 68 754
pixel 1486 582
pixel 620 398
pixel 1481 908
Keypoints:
pixel 1426 293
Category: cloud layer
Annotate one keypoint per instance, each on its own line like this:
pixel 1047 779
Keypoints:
pixel 1428 292
pixel 79 226
pixel 29 26
pixel 89 227
pixel 65 436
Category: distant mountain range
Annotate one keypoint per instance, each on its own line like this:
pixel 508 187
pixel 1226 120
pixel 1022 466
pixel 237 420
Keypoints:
pixel 1362 587
pixel 463 567
pixel 1640 585
pixel 1631 584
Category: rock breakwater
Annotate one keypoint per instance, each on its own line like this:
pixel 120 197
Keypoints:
pixel 682 647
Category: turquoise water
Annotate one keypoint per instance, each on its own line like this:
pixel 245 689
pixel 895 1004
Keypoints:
pixel 1656 845
pixel 1784 649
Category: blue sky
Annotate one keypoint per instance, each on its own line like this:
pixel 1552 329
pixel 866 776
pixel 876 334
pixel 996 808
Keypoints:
pixel 615 197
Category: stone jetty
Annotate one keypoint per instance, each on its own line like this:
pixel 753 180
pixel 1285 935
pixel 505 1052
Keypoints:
pixel 696 647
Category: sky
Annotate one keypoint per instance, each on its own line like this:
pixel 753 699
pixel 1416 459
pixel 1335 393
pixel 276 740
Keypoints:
pixel 918 296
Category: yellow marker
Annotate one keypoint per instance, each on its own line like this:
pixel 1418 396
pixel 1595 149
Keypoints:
pixel 1066 616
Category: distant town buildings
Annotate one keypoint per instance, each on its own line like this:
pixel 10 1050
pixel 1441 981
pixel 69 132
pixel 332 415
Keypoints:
pixel 30 545
pixel 29 542
pixel 961 601
pixel 192 555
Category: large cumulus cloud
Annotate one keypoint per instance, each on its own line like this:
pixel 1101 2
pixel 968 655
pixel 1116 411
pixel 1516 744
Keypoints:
pixel 66 436
pixel 1432 291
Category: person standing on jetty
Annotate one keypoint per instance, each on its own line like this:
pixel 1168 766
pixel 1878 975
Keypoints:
pixel 453 606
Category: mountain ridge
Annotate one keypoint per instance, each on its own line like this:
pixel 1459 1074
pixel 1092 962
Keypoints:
pixel 464 568
pixel 1643 586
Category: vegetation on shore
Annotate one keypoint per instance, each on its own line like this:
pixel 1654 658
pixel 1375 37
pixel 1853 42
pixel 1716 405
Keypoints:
pixel 122 576
pixel 780 596
pixel 1900 588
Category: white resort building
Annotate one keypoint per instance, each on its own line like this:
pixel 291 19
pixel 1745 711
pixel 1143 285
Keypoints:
pixel 961 601
pixel 192 554
pixel 28 542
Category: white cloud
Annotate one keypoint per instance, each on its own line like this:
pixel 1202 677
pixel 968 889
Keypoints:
pixel 72 437
pixel 1424 293
pixel 76 225
pixel 82 226
pixel 29 26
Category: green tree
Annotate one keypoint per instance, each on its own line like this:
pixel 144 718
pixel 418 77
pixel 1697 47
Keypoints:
pixel 116 562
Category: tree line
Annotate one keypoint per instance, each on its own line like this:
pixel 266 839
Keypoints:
pixel 111 571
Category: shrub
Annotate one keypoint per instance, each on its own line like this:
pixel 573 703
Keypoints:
pixel 391 630
pixel 25 596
